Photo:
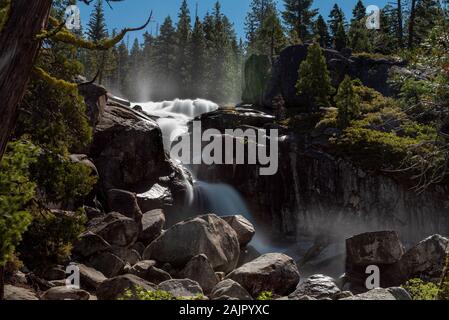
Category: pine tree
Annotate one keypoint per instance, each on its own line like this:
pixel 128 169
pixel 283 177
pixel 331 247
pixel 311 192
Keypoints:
pixel 358 36
pixel 299 16
pixel 270 39
pixel 359 11
pixel 164 61
pixel 314 81
pixel 183 34
pixel 259 11
pixel 322 32
pixel 198 67
pixel 96 28
pixel 340 39
pixel 336 18
pixel 427 15
pixel 122 70
pixel 347 102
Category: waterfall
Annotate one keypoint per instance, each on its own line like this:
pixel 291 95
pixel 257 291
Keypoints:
pixel 221 199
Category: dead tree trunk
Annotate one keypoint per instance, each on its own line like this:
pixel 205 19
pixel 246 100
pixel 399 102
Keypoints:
pixel 18 50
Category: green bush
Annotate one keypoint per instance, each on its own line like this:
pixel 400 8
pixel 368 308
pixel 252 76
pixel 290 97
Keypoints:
pixel 347 102
pixel 144 295
pixel 265 295
pixel 420 290
pixel 16 193
pixel 50 236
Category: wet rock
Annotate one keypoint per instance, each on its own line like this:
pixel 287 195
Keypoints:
pixel 152 225
pixel 155 198
pixel 124 202
pixel 181 288
pixel 107 263
pixel 207 234
pixel 19 293
pixel 65 293
pixel 244 229
pixel 229 288
pixel 90 243
pixel 199 269
pixel 317 286
pixel 117 229
pixel 274 272
pixel 147 270
pixel 114 288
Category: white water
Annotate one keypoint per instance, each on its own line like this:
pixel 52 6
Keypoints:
pixel 218 198
pixel 174 115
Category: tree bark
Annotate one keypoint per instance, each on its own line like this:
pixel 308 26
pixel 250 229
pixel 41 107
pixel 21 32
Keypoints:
pixel 18 50
pixel 411 25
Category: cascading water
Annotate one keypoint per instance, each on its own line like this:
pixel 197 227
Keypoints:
pixel 222 199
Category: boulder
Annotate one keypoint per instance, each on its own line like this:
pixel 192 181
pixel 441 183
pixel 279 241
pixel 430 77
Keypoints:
pixel 124 202
pixel 400 293
pixel 181 288
pixel 155 198
pixel 65 293
pixel 317 286
pixel 128 151
pixel 207 234
pixel 107 263
pixel 229 288
pixel 244 229
pixel 152 224
pixel 425 260
pixel 89 277
pixel 90 243
pixel 95 97
pixel 114 288
pixel 130 256
pixel 200 270
pixel 147 270
pixel 19 293
pixel 375 294
pixel 117 229
pixel 374 248
pixel 274 272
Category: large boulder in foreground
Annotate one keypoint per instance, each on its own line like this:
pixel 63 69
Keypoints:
pixel 375 294
pixel 181 288
pixel 19 293
pixel 317 286
pixel 231 290
pixel 243 227
pixel 207 234
pixel 374 248
pixel 65 293
pixel 114 288
pixel 274 272
pixel 426 260
pixel 128 150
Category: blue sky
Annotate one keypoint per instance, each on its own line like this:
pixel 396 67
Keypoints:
pixel 131 13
